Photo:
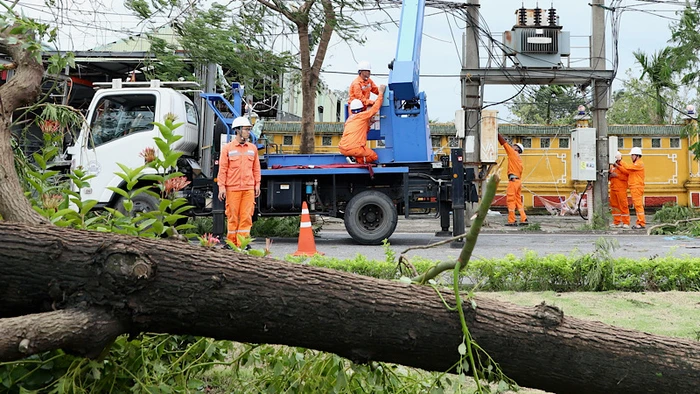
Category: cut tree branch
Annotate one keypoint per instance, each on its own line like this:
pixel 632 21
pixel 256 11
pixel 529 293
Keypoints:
pixel 170 287
pixel 81 332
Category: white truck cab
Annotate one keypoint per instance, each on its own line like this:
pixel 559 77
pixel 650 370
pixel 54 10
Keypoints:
pixel 120 126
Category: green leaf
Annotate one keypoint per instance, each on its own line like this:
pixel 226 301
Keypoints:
pixel 18 30
pixel 152 177
pixel 171 219
pixel 194 384
pixel 146 223
pixel 123 176
pixel 162 145
pixel 61 213
pixel 87 206
pixel 182 209
pixel 142 189
pixel 39 160
pixel 462 349
pixel 119 191
pixel 158 227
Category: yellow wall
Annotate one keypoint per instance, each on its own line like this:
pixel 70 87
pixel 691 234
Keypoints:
pixel 670 172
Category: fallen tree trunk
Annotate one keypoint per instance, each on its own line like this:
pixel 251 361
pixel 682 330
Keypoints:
pixel 172 287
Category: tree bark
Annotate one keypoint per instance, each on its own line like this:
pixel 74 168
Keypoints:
pixel 167 286
pixel 83 332
pixel 308 93
pixel 23 88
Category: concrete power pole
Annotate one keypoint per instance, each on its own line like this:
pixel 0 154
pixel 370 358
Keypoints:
pixel 471 103
pixel 598 112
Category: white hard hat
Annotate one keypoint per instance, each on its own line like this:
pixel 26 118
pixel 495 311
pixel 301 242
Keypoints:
pixel 356 104
pixel 241 121
pixel 618 155
pixel 522 148
pixel 364 66
pixel 636 151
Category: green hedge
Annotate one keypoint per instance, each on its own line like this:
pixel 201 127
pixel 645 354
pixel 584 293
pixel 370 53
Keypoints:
pixel 585 273
pixel 546 273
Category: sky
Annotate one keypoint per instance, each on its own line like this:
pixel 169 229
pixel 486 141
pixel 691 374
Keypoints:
pixel 642 25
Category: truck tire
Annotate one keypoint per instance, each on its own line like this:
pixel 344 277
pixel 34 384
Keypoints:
pixel 142 203
pixel 370 217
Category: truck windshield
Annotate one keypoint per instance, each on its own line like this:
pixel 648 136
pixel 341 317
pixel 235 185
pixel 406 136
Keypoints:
pixel 119 116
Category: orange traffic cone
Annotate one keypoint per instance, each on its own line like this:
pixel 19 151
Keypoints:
pixel 307 245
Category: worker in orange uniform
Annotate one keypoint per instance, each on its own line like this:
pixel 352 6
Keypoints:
pixel 239 180
pixel 618 195
pixel 635 181
pixel 353 143
pixel 513 192
pixel 362 86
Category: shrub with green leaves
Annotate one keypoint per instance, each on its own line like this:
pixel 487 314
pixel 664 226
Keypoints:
pixel 675 219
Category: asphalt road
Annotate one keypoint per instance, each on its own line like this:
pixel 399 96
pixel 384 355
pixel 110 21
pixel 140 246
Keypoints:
pixel 565 236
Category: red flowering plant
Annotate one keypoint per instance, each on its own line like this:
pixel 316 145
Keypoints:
pixel 209 240
pixel 47 188
pixel 152 201
pixel 148 154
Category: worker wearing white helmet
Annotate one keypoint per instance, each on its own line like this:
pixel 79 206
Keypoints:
pixel 635 181
pixel 618 195
pixel 353 143
pixel 514 190
pixel 362 86
pixel 239 180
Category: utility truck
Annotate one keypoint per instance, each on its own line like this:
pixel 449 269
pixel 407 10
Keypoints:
pixel 368 198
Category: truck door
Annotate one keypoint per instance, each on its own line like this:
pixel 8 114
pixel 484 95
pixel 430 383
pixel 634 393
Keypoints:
pixel 120 128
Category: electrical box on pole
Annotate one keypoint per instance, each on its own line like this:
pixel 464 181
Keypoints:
pixel 612 148
pixel 583 154
pixel 489 136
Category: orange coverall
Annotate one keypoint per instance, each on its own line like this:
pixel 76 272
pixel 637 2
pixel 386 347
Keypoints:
pixel 513 191
pixel 618 196
pixel 354 140
pixel 239 176
pixel 635 181
pixel 360 89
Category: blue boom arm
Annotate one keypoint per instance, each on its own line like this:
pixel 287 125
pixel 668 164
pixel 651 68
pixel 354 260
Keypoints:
pixel 403 79
pixel 404 115
pixel 213 98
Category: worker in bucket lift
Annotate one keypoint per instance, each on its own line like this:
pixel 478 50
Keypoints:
pixel 514 189
pixel 618 195
pixel 635 181
pixel 353 143
pixel 239 180
pixel 362 86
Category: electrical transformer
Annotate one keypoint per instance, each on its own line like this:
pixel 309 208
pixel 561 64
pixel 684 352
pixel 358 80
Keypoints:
pixel 535 43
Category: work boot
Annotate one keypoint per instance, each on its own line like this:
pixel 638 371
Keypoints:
pixel 525 223
pixel 625 226
pixel 616 225
pixel 511 224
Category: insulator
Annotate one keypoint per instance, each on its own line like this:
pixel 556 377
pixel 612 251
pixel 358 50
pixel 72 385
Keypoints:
pixel 552 17
pixel 538 16
pixel 522 16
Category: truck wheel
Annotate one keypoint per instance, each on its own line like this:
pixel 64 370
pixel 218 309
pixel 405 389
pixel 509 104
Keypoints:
pixel 370 217
pixel 142 203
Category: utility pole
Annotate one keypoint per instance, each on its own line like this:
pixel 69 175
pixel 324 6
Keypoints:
pixel 471 104
pixel 599 205
pixel 536 68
